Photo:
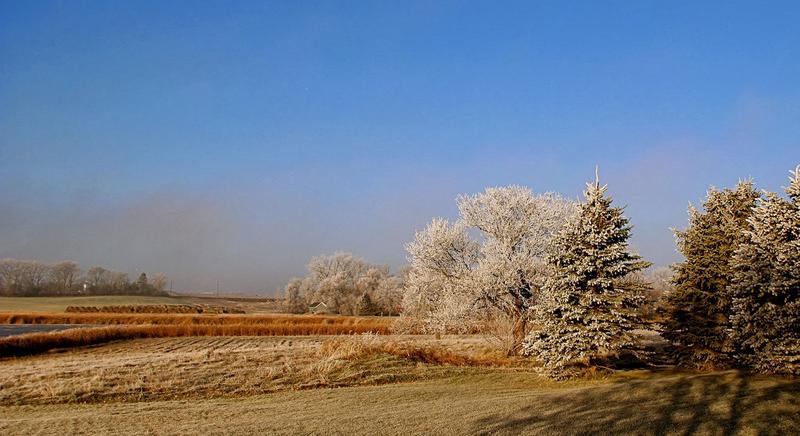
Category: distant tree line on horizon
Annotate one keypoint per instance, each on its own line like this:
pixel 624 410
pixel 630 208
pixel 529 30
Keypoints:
pixel 31 278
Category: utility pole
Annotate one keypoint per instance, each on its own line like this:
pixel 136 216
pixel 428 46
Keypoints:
pixel 217 288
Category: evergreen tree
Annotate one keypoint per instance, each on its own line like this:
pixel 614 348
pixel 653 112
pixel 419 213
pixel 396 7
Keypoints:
pixel 141 282
pixel 366 307
pixel 766 285
pixel 699 307
pixel 588 311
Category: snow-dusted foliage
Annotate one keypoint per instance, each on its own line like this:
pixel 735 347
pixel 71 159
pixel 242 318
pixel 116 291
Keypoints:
pixel 766 285
pixel 699 307
pixel 456 281
pixel 589 306
pixel 340 281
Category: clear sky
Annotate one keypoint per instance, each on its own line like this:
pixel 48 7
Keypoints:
pixel 233 140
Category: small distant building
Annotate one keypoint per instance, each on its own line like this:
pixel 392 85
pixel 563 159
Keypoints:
pixel 318 308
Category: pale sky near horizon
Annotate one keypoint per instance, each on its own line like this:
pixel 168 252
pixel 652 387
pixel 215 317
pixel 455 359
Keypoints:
pixel 233 140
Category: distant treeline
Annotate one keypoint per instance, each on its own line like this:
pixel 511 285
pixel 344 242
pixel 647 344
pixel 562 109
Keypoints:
pixel 31 278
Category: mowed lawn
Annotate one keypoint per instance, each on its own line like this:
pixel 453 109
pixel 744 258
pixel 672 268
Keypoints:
pixel 290 385
pixel 500 403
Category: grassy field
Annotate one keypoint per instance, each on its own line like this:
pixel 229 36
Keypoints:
pixel 496 403
pixel 59 304
pixel 203 367
pixel 188 374
pixel 366 385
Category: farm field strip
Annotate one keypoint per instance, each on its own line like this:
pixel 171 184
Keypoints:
pixel 35 343
pixel 186 319
pixel 59 304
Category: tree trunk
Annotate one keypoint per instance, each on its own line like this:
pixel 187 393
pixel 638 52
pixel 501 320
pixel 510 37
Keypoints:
pixel 518 334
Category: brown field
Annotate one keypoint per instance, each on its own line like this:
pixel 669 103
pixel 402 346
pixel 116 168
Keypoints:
pixel 383 385
pixel 60 304
pixel 206 367
pixel 34 343
pixel 188 319
pixel 154 308
pixel 146 373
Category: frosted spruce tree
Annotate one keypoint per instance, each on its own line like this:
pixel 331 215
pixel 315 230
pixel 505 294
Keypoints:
pixel 587 310
pixel 699 307
pixel 766 285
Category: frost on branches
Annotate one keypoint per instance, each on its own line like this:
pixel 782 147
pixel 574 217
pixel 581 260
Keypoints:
pixel 699 308
pixel 587 310
pixel 456 281
pixel 341 281
pixel 766 285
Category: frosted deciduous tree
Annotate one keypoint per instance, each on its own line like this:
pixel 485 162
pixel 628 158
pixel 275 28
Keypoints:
pixel 294 293
pixel 340 280
pixel 587 310
pixel 766 285
pixel 440 288
pixel 455 279
pixel 159 282
pixel 97 276
pixel 699 307
pixel 12 272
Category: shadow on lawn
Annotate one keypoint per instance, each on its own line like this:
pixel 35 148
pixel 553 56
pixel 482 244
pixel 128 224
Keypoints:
pixel 722 403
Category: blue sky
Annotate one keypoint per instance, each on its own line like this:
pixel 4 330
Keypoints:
pixel 231 141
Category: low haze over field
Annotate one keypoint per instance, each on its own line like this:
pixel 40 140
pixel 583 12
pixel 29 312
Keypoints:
pixel 233 142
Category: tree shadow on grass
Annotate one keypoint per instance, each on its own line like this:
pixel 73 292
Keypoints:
pixel 721 403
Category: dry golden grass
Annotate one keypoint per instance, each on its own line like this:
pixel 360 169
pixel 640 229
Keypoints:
pixel 217 385
pixel 203 367
pixel 59 304
pixel 484 403
pixel 417 350
pixel 154 308
pixel 189 319
pixel 34 343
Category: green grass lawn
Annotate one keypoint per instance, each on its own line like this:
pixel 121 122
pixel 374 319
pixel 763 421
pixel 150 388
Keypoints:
pixel 499 403
pixel 59 304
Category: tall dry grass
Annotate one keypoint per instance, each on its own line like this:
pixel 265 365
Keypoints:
pixel 366 345
pixel 34 343
pixel 191 319
pixel 155 308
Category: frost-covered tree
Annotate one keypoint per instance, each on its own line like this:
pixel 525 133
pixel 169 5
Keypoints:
pixel 698 309
pixel 456 280
pixel 159 282
pixel 97 276
pixel 295 302
pixel 439 288
pixel 766 285
pixel 589 307
pixel 64 275
pixel 340 280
